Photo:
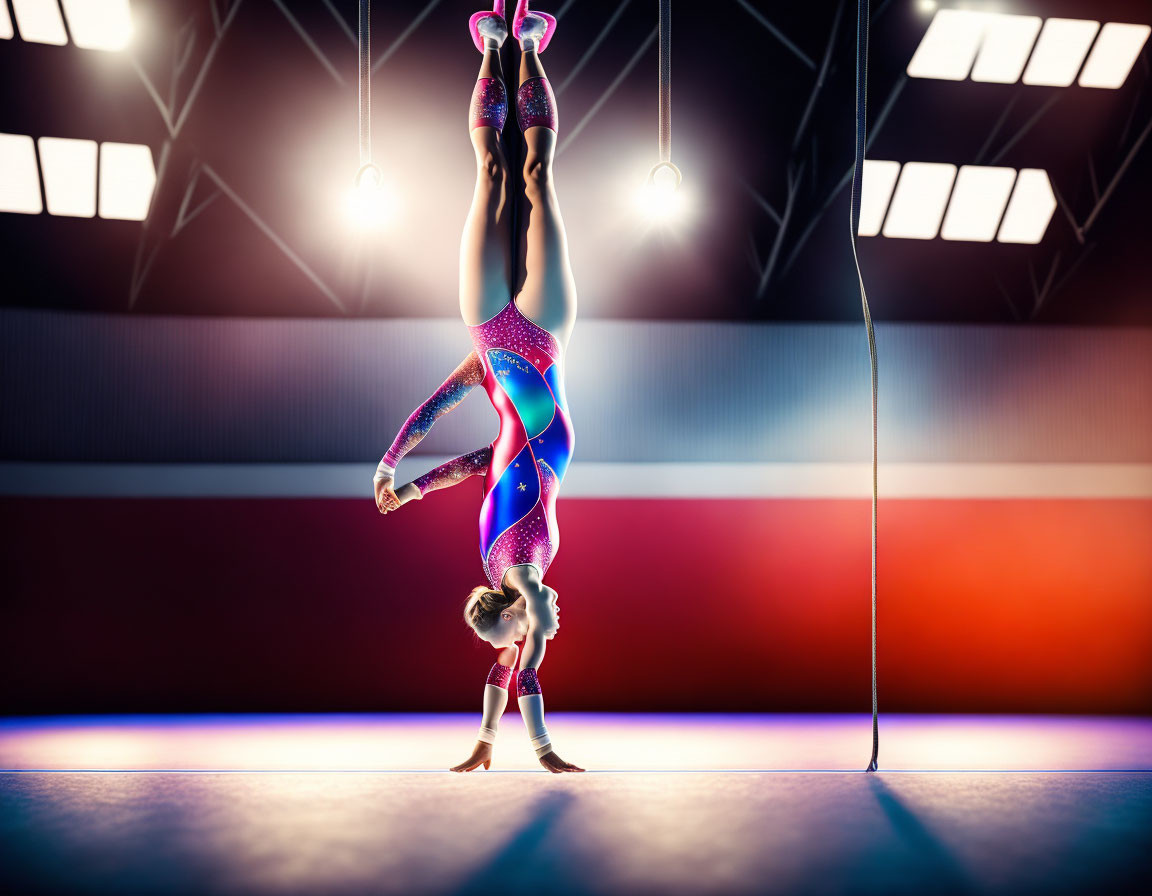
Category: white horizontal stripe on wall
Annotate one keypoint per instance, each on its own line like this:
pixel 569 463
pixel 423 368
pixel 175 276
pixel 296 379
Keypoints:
pixel 593 480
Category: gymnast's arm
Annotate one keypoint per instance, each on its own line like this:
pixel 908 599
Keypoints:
pixel 451 392
pixel 495 701
pixel 455 471
pixel 543 622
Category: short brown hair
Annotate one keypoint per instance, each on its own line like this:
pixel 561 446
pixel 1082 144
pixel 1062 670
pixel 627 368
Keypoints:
pixel 484 607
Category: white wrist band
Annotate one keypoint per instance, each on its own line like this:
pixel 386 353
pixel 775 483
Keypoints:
pixel 542 744
pixel 383 471
pixel 495 699
pixel 532 711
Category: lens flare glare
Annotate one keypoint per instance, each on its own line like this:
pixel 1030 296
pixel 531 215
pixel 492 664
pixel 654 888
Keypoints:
pixel 369 205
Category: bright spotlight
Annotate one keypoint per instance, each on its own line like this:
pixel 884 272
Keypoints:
pixel 926 5
pixel 660 199
pixel 367 202
pixel 69 168
pixel 39 21
pixel 127 181
pixel 99 24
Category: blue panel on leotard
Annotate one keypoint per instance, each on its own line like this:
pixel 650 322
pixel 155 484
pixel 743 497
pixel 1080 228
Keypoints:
pixel 556 383
pixel 514 494
pixel 554 445
pixel 526 387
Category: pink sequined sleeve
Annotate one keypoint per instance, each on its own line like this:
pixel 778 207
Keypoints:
pixel 456 470
pixel 470 373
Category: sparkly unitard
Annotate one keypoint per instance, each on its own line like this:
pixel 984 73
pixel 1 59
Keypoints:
pixel 524 379
pixel 521 367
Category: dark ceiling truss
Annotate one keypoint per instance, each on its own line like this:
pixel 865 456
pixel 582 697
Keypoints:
pixel 645 45
pixel 777 33
pixel 873 132
pixel 405 34
pixel 320 55
pixel 593 45
pixel 174 111
pixel 1066 260
pixel 340 20
pixel 801 174
pixel 808 194
pixel 223 13
pixel 802 210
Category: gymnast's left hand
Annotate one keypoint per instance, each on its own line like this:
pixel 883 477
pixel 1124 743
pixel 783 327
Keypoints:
pixel 385 495
pixel 481 756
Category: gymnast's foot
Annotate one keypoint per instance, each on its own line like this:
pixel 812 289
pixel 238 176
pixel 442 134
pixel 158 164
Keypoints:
pixel 493 30
pixel 534 30
pixel 556 765
pixel 488 28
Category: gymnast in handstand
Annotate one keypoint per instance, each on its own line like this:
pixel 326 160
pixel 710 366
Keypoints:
pixel 519 333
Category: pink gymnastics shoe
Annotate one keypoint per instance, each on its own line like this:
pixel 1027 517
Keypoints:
pixel 521 29
pixel 488 23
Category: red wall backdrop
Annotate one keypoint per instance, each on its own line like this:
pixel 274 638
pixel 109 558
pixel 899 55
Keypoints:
pixel 182 605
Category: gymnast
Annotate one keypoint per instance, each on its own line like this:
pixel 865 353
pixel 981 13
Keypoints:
pixel 519 335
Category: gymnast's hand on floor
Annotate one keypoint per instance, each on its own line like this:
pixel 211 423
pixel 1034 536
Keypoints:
pixel 481 756
pixel 556 765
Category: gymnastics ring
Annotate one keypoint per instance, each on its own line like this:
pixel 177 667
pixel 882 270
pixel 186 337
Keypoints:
pixel 670 167
pixel 362 176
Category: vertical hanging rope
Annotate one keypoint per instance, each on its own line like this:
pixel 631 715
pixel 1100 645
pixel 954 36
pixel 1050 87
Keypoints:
pixel 365 45
pixel 863 12
pixel 665 80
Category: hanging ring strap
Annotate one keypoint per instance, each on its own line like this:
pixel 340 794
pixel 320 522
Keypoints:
pixel 863 13
pixel 365 45
pixel 665 97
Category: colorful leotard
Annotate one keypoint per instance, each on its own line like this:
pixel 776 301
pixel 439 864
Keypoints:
pixel 524 379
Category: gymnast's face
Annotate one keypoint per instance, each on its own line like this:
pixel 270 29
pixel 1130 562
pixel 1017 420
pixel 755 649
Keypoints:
pixel 511 627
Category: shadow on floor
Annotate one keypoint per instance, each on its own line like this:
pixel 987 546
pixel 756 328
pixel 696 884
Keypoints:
pixel 530 857
pixel 931 858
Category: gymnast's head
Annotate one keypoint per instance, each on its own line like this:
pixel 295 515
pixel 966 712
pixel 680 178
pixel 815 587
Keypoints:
pixel 496 616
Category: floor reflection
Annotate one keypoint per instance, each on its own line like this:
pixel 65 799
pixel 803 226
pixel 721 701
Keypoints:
pixel 598 833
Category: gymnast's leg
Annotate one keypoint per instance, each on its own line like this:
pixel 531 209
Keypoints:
pixel 485 263
pixel 547 294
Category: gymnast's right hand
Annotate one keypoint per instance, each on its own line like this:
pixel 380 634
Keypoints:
pixel 385 495
pixel 556 765
pixel 481 756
